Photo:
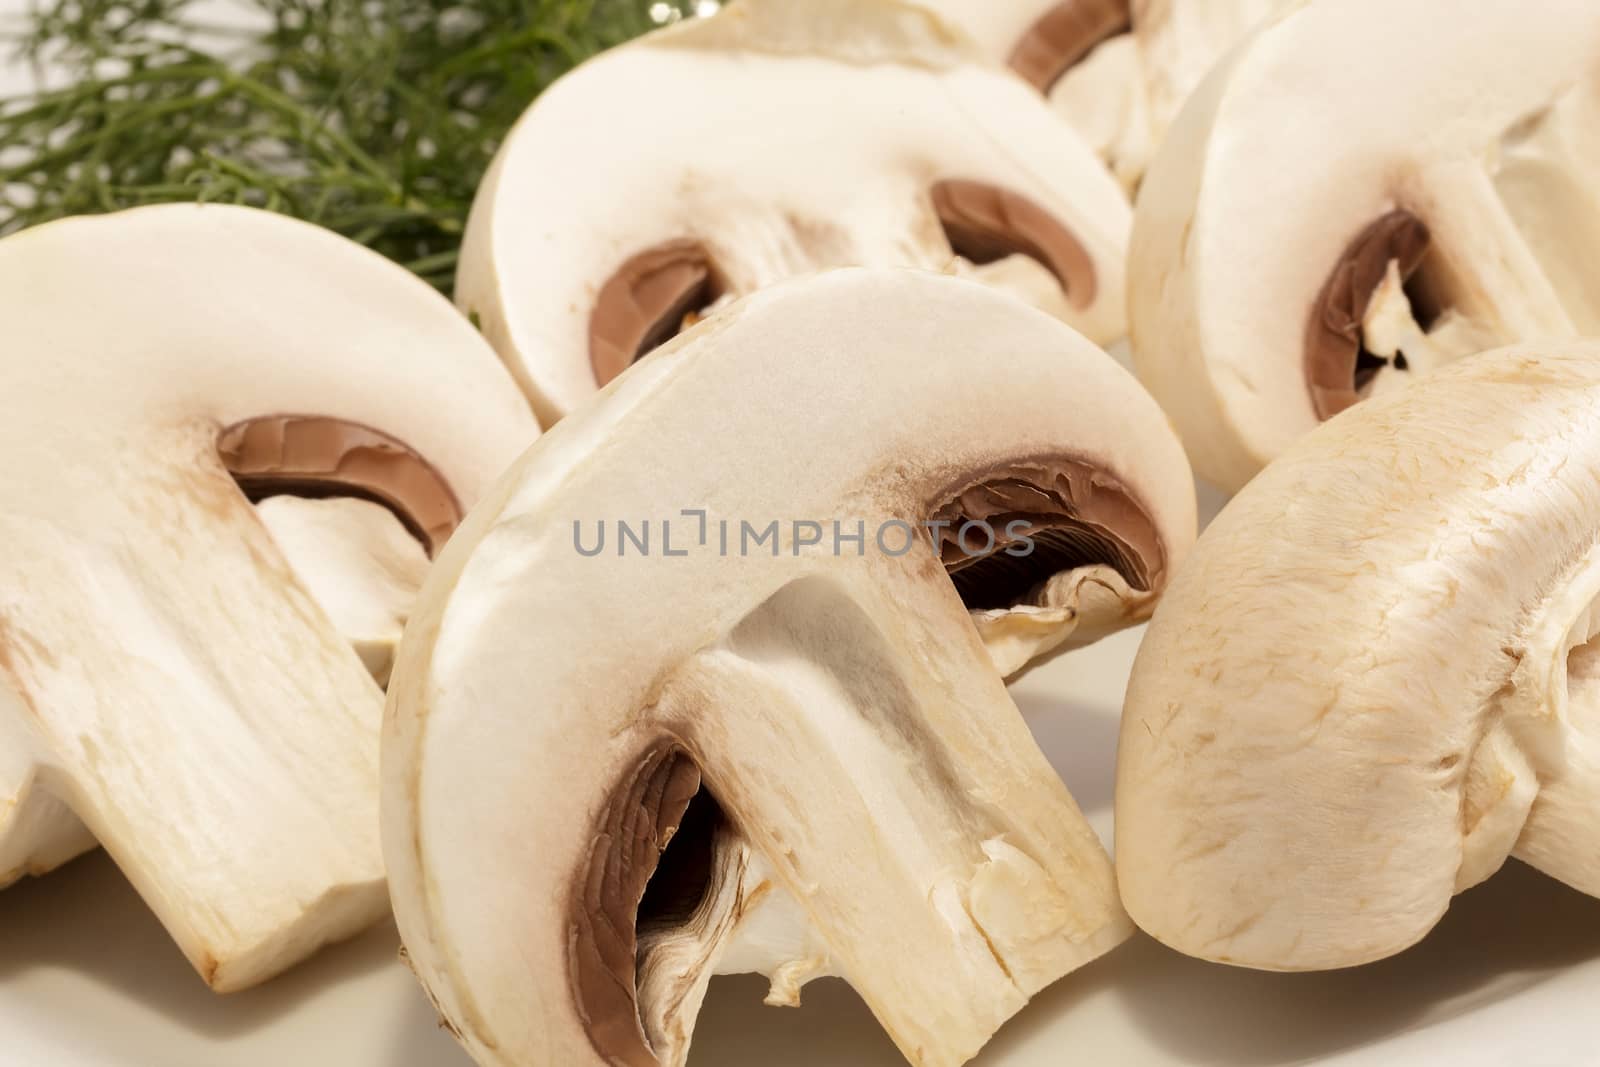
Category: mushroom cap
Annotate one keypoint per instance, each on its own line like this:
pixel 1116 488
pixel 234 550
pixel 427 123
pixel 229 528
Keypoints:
pixel 551 711
pixel 790 138
pixel 1259 238
pixel 175 686
pixel 1354 700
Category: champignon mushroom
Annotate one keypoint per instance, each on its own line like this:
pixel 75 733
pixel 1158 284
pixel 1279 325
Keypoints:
pixel 165 682
pixel 612 771
pixel 1274 284
pixel 358 562
pixel 1118 70
pixel 1077 53
pixel 801 137
pixel 1374 679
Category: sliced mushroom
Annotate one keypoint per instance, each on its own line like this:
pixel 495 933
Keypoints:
pixel 1182 41
pixel 797 138
pixel 1079 54
pixel 359 564
pixel 610 773
pixel 1118 70
pixel 1374 679
pixel 1274 284
pixel 166 684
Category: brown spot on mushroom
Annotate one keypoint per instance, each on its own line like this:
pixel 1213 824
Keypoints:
pixel 1337 365
pixel 308 455
pixel 645 812
pixel 1073 512
pixel 646 302
pixel 985 223
pixel 1064 35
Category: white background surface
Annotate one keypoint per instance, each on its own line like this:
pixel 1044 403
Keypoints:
pixel 89 979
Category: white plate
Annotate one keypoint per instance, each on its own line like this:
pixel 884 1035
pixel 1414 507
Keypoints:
pixel 88 979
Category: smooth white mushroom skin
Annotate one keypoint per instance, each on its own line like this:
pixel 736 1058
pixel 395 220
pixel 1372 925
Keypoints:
pixel 1253 244
pixel 787 759
pixel 1372 681
pixel 168 685
pixel 804 137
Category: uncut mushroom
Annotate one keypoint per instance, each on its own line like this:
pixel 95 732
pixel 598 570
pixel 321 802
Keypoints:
pixel 801 137
pixel 610 773
pixel 1377 675
pixel 168 688
pixel 1274 283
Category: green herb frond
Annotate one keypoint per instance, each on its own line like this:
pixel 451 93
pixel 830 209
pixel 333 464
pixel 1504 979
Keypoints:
pixel 375 118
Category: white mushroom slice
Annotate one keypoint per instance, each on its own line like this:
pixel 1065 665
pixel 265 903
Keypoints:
pixel 38 833
pixel 165 682
pixel 1105 99
pixel 1374 679
pixel 359 564
pixel 1118 71
pixel 768 743
pixel 799 137
pixel 1181 42
pixel 1283 195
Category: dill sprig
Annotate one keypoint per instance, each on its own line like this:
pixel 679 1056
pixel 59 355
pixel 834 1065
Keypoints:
pixel 375 118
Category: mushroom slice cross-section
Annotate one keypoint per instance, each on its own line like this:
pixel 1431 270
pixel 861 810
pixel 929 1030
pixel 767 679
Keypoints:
pixel 1118 70
pixel 800 137
pixel 1374 679
pixel 1301 242
pixel 753 727
pixel 168 685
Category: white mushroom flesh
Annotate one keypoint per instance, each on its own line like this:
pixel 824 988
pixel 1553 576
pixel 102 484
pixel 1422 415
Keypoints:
pixel 800 762
pixel 1346 136
pixel 801 138
pixel 166 682
pixel 361 566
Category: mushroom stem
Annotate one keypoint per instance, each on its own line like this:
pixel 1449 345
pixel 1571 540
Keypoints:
pixel 746 924
pixel 38 833
pixel 361 566
pixel 1390 331
pixel 929 779
pixel 1481 264
pixel 144 679
pixel 1543 176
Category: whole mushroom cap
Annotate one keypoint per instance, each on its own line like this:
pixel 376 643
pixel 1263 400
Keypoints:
pixel 1375 677
pixel 613 768
pixel 1362 192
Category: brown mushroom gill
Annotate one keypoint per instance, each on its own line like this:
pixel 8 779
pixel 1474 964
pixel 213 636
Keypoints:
pixel 646 302
pixel 1074 515
pixel 985 223
pixel 1063 36
pixel 316 456
pixel 654 850
pixel 1338 367
pixel 617 894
